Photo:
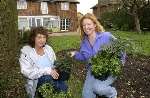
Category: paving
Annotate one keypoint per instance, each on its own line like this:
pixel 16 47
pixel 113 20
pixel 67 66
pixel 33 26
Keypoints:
pixel 63 33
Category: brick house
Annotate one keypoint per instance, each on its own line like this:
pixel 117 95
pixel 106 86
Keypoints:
pixel 105 6
pixel 60 14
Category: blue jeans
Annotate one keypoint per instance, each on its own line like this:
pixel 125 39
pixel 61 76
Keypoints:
pixel 59 86
pixel 94 86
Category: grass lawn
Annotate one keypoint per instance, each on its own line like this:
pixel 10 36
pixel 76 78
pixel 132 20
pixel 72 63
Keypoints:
pixel 12 82
pixel 140 41
pixel 64 42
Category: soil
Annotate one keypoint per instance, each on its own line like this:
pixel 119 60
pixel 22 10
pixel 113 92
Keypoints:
pixel 134 81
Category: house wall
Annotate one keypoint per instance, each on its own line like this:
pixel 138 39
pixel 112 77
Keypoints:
pixel 70 14
pixel 54 9
pixel 33 9
pixel 105 6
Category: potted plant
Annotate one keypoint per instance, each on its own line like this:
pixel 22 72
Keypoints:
pixel 108 60
pixel 63 67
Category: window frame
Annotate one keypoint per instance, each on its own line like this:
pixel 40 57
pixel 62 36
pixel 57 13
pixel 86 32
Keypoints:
pixel 20 21
pixel 65 6
pixel 65 24
pixel 22 4
pixel 44 7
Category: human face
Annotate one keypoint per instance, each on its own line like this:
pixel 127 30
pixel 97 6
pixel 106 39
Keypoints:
pixel 40 40
pixel 88 26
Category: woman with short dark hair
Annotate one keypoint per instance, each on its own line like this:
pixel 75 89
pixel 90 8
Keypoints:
pixel 37 63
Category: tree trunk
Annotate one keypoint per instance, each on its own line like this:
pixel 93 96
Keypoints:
pixel 8 44
pixel 137 23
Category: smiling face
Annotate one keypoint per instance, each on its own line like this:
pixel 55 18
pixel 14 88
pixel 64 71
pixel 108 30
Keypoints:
pixel 40 40
pixel 88 26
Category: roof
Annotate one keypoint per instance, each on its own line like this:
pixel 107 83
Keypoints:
pixel 102 5
pixel 74 1
pixel 95 6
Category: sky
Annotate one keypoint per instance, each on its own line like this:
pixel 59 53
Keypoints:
pixel 85 5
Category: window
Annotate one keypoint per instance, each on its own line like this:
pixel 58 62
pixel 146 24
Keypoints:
pixel 26 22
pixel 32 22
pixel 65 24
pixel 64 6
pixel 35 22
pixel 38 22
pixel 50 22
pixel 22 23
pixel 47 22
pixel 44 8
pixel 21 4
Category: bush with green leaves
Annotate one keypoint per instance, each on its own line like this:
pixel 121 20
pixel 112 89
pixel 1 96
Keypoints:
pixel 63 67
pixel 108 60
pixel 74 89
pixel 117 20
pixel 25 36
pixel 47 91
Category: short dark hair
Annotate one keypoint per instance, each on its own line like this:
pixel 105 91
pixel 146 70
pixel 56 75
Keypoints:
pixel 34 32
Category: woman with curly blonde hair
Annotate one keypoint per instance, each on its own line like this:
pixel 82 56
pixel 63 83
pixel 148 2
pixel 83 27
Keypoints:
pixel 99 28
pixel 93 36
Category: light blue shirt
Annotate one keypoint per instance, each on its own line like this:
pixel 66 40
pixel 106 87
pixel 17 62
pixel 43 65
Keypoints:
pixel 43 61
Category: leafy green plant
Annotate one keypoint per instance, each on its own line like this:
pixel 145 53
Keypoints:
pixel 74 89
pixel 108 60
pixel 63 67
pixel 47 91
pixel 25 36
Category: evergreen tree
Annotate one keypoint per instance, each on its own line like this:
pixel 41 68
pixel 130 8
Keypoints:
pixel 8 32
pixel 8 47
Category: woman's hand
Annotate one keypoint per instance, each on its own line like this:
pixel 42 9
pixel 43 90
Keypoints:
pixel 72 53
pixel 54 74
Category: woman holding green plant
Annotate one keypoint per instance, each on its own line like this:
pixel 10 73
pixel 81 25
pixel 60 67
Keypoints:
pixel 93 38
pixel 37 63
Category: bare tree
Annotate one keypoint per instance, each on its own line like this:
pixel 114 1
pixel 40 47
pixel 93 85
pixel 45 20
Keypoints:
pixel 133 8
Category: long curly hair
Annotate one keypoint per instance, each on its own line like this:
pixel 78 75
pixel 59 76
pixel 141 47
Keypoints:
pixel 99 28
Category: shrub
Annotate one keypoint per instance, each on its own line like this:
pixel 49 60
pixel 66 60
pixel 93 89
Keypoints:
pixel 25 36
pixel 63 67
pixel 108 60
pixel 54 29
pixel 47 91
pixel 117 20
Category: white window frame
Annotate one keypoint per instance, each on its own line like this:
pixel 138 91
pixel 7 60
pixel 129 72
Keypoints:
pixel 44 8
pixel 22 4
pixel 36 21
pixel 31 21
pixel 64 5
pixel 23 26
pixel 55 21
pixel 64 25
pixel 52 22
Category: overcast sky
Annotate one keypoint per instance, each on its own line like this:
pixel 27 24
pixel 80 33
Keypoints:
pixel 85 5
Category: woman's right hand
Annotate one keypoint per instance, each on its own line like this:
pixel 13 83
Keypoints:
pixel 54 74
pixel 72 53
